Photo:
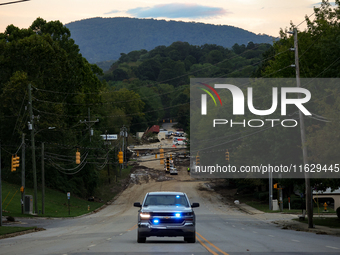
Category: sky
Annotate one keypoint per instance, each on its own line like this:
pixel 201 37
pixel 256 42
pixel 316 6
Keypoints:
pixel 258 16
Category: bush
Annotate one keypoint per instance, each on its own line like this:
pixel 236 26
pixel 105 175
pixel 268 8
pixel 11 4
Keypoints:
pixel 338 212
pixel 295 203
pixel 245 189
pixel 262 196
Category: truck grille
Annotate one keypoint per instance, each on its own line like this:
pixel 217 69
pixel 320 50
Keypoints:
pixel 170 221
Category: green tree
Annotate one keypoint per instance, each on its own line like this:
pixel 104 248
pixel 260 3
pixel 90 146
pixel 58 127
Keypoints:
pixel 64 85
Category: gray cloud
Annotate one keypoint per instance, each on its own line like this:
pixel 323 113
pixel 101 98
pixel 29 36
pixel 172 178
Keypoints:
pixel 111 12
pixel 177 10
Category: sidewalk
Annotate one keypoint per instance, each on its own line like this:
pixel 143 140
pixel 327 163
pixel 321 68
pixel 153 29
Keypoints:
pixel 285 221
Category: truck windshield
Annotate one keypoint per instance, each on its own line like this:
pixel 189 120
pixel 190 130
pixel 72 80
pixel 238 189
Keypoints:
pixel 171 200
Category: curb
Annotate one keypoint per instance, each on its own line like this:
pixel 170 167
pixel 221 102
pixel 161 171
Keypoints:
pixel 292 224
pixel 21 233
pixel 247 209
pixel 299 226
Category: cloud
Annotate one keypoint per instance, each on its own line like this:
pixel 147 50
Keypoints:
pixel 177 10
pixel 111 12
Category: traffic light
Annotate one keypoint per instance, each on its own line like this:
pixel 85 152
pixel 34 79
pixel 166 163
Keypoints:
pixel 22 189
pixel 275 186
pixel 120 157
pixel 227 155
pixel 12 164
pixel 15 163
pixel 167 163
pixel 77 157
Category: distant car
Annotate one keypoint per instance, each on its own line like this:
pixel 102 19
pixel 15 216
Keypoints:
pixel 166 214
pixel 173 170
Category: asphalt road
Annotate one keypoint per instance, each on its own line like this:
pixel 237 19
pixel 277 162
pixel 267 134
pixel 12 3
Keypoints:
pixel 221 229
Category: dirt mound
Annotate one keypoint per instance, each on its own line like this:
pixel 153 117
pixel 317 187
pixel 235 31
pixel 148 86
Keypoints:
pixel 142 174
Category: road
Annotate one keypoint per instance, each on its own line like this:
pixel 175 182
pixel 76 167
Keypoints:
pixel 221 229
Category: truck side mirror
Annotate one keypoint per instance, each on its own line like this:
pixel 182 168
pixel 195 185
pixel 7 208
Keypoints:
pixel 137 204
pixel 195 205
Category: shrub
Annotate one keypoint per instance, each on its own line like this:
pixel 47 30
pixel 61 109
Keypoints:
pixel 338 212
pixel 262 196
pixel 295 203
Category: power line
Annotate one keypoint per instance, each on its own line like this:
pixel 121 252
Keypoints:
pixel 112 116
pixel 19 1
pixel 113 102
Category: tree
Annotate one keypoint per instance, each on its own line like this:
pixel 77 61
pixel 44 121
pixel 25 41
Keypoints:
pixel 149 70
pixel 63 82
pixel 318 58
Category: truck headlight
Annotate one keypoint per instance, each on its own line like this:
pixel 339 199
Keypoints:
pixel 145 215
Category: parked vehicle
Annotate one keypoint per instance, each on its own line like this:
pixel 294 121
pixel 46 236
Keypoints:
pixel 179 141
pixel 173 170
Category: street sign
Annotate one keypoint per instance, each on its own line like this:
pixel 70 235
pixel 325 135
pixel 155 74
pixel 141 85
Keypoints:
pixel 68 195
pixel 110 137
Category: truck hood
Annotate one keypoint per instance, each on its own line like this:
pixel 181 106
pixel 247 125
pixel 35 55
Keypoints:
pixel 162 208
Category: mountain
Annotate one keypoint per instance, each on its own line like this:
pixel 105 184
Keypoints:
pixel 102 39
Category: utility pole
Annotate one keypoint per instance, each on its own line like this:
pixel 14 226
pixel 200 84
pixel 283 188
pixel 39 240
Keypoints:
pixel 270 190
pixel 309 205
pixel 88 111
pixel 116 167
pixel 23 173
pixel 280 195
pixel 123 133
pixel 33 148
pixel 108 165
pixel 89 123
pixel 43 178
pixel 0 190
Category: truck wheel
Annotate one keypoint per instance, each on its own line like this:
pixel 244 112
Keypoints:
pixel 191 239
pixel 140 239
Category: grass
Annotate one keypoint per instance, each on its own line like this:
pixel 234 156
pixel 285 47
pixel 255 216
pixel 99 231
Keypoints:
pixel 107 191
pixel 9 229
pixel 56 202
pixel 332 222
pixel 264 207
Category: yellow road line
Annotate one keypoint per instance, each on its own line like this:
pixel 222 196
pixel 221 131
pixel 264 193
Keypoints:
pixel 205 246
pixel 212 244
pixel 132 228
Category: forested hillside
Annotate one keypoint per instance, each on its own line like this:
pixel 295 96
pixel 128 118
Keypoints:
pixel 162 75
pixel 71 97
pixel 145 86
pixel 102 39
